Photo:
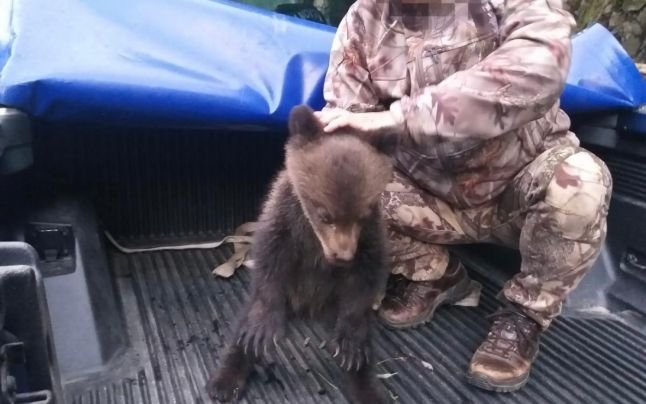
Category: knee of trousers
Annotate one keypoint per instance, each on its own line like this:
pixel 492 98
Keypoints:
pixel 578 196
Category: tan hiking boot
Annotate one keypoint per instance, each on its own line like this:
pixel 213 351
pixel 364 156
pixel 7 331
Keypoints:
pixel 409 304
pixel 503 361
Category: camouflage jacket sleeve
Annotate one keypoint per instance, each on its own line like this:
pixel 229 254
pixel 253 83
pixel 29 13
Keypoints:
pixel 347 83
pixel 515 84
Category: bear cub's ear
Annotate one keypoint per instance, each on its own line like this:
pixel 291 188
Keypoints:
pixel 303 125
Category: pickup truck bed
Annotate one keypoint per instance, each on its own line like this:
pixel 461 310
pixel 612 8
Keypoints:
pixel 148 327
pixel 179 316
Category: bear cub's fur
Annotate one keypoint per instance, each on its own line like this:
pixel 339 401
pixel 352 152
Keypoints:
pixel 320 254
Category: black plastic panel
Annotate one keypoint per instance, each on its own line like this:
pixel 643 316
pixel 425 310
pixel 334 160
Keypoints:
pixel 16 152
pixel 25 324
pixel 628 247
pixel 160 184
pixel 87 320
pixel 629 175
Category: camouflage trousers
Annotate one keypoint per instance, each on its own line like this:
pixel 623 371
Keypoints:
pixel 554 212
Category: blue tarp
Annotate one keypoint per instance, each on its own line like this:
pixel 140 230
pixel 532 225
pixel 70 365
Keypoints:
pixel 602 75
pixel 199 63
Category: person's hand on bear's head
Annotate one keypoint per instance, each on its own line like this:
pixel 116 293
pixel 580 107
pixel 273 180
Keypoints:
pixel 328 115
pixel 363 123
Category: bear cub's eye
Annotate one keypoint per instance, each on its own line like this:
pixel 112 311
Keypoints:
pixel 325 217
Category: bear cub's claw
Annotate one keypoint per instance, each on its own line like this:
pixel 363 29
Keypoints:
pixel 351 354
pixel 256 339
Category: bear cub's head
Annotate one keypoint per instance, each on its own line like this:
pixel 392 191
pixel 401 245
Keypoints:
pixel 338 179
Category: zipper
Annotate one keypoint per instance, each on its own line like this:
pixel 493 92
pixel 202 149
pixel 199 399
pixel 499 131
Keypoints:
pixel 436 65
pixel 441 157
pixel 421 78
pixel 422 82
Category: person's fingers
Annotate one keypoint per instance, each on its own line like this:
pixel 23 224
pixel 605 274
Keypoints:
pixel 338 123
pixel 326 116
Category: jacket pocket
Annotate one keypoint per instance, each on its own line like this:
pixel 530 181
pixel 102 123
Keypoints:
pixel 435 62
pixel 444 155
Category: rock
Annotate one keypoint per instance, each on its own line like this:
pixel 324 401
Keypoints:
pixel 631 43
pixel 608 9
pixel 630 28
pixel 633 5
pixel 615 20
pixel 641 18
pixel 636 29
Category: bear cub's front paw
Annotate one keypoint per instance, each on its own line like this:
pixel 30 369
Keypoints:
pixel 255 337
pixel 351 353
pixel 225 386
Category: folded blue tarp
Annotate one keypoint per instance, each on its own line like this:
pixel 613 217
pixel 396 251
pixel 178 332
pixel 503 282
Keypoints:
pixel 207 63
pixel 602 75
pixel 159 62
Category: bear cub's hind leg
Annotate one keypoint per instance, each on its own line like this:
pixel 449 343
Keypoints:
pixel 262 323
pixel 352 347
pixel 231 378
pixel 363 387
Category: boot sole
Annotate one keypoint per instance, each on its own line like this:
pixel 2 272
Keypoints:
pixel 485 383
pixel 452 295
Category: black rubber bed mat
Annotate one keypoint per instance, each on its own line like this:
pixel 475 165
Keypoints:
pixel 178 316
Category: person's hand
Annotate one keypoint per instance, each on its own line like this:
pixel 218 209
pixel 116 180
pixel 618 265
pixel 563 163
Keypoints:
pixel 328 115
pixel 365 123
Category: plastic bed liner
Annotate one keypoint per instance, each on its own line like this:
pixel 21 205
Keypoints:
pixel 179 315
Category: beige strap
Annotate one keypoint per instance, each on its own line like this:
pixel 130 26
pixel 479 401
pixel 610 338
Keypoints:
pixel 240 251
pixel 241 240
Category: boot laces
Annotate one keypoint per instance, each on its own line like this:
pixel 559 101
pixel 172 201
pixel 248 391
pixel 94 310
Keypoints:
pixel 508 331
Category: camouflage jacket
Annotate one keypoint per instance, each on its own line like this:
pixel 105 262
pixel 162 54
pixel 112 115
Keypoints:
pixel 477 81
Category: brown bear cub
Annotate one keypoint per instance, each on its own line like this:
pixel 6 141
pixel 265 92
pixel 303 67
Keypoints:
pixel 320 255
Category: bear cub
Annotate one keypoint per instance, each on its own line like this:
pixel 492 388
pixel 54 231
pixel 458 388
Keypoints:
pixel 319 255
